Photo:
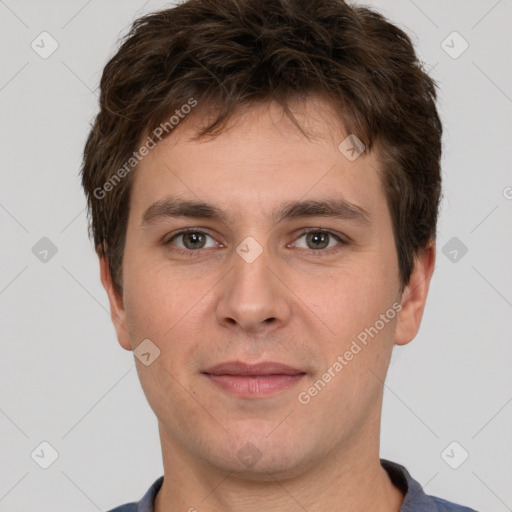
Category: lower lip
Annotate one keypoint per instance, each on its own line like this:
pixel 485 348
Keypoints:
pixel 255 386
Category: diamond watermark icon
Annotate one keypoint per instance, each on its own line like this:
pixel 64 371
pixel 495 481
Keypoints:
pixel 454 455
pixel 44 45
pixel 249 249
pixel 454 45
pixel 146 352
pixel 249 454
pixel 454 249
pixel 44 250
pixel 352 147
pixel 44 455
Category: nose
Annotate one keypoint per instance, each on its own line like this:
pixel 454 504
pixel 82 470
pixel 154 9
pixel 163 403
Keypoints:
pixel 254 298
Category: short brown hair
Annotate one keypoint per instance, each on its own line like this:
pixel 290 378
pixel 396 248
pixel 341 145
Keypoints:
pixel 232 54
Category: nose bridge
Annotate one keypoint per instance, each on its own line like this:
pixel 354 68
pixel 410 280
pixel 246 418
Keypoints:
pixel 253 296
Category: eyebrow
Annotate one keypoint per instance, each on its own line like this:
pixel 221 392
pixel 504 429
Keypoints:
pixel 335 208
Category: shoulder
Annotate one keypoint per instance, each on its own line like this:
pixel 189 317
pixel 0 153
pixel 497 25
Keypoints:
pixel 448 506
pixel 128 507
pixel 146 504
pixel 415 499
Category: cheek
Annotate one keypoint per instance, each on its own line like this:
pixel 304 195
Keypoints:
pixel 352 299
pixel 167 306
pixel 162 310
pixel 156 298
pixel 355 358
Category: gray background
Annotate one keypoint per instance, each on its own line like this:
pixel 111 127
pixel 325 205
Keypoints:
pixel 65 380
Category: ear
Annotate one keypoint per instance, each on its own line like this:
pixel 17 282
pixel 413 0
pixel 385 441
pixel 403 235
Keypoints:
pixel 414 295
pixel 117 311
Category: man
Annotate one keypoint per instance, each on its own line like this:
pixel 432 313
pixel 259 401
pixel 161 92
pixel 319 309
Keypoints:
pixel 263 180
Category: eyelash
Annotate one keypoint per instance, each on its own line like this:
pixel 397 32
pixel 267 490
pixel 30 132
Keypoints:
pixel 342 241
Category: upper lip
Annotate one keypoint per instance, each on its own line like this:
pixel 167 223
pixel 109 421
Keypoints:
pixel 264 368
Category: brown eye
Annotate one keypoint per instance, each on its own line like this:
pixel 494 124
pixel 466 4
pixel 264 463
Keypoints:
pixel 191 240
pixel 318 240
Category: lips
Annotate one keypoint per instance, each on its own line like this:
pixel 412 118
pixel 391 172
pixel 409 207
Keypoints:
pixel 245 369
pixel 253 380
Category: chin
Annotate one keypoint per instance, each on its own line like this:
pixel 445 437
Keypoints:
pixel 261 459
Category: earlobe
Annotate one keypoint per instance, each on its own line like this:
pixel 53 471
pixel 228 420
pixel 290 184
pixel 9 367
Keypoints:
pixel 414 295
pixel 117 311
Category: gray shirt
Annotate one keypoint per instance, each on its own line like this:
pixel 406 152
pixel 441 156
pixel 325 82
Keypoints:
pixel 415 499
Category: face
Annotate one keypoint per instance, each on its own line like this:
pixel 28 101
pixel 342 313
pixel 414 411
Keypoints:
pixel 275 313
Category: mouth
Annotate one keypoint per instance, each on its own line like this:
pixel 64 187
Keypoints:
pixel 253 380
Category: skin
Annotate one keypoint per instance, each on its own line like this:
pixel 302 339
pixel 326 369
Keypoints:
pixel 295 304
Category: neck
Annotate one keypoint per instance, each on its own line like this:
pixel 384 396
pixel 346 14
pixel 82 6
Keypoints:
pixel 352 479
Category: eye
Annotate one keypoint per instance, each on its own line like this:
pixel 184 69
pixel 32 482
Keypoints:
pixel 319 239
pixel 190 240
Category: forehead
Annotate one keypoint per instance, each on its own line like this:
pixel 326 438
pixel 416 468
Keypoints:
pixel 260 158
